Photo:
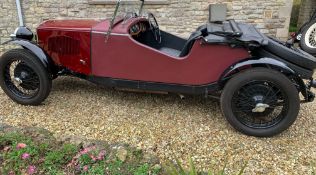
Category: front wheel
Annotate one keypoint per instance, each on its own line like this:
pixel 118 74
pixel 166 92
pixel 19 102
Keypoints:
pixel 24 78
pixel 260 102
pixel 308 39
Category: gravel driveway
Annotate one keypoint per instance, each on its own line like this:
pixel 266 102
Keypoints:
pixel 167 126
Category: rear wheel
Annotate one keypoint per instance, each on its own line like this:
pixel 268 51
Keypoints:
pixel 260 102
pixel 23 77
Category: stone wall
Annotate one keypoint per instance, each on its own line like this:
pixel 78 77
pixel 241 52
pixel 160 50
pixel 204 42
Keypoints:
pixel 178 16
pixel 307 8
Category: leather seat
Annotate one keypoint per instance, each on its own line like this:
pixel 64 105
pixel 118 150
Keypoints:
pixel 170 51
pixel 189 44
pixel 186 48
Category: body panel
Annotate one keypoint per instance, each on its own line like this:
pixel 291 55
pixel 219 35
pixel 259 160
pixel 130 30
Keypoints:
pixel 81 25
pixel 119 27
pixel 124 58
pixel 68 43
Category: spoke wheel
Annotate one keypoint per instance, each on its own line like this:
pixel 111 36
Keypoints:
pixel 24 78
pixel 260 102
pixel 310 36
pixel 308 39
pixel 21 79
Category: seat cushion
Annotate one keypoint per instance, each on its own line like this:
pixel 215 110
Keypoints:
pixel 190 42
pixel 170 51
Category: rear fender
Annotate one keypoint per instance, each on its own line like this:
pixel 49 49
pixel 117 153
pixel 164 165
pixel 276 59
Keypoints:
pixel 267 63
pixel 36 50
pixel 262 62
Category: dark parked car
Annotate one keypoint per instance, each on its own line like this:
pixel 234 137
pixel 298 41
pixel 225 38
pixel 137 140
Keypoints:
pixel 306 36
pixel 257 78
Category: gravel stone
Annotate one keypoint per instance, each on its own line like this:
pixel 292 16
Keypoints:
pixel 166 126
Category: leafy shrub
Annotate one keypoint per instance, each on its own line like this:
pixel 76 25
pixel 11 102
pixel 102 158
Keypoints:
pixel 25 155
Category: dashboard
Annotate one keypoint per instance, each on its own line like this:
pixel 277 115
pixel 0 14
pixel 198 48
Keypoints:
pixel 138 28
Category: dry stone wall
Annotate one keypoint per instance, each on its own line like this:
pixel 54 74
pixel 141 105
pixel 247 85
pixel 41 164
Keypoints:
pixel 177 16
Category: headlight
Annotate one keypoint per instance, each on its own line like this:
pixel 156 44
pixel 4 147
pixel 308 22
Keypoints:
pixel 23 33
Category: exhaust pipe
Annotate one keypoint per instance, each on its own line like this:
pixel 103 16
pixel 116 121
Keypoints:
pixel 313 83
pixel 18 7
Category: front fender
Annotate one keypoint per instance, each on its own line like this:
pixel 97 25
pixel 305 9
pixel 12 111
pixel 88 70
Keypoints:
pixel 36 50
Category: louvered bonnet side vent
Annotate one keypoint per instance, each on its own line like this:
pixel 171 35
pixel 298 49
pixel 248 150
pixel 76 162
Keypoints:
pixel 64 45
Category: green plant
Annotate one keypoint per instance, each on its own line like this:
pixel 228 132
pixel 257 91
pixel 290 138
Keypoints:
pixel 54 158
pixel 156 170
pixel 115 167
pixel 293 28
pixel 138 154
pixel 85 159
pixel 142 170
pixel 43 148
pixel 177 169
pixel 13 138
pixel 23 154
pixel 295 15
pixel 69 150
pixel 97 169
pixel 16 158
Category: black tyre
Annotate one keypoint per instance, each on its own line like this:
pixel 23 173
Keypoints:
pixel 260 102
pixel 308 39
pixel 23 77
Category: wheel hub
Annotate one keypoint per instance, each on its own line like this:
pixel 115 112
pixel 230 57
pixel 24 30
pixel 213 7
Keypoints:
pixel 24 77
pixel 260 108
pixel 18 80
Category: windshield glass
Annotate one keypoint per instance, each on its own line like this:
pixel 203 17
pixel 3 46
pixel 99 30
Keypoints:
pixel 127 9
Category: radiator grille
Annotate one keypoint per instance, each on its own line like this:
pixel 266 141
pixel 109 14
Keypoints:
pixel 64 45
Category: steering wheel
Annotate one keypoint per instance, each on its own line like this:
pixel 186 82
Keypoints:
pixel 154 27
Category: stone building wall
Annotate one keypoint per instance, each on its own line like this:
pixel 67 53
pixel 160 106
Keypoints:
pixel 176 16
pixel 307 8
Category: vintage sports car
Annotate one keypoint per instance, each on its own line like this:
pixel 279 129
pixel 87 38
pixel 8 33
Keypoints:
pixel 257 78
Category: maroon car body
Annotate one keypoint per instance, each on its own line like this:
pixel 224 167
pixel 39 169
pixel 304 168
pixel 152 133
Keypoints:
pixel 122 57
